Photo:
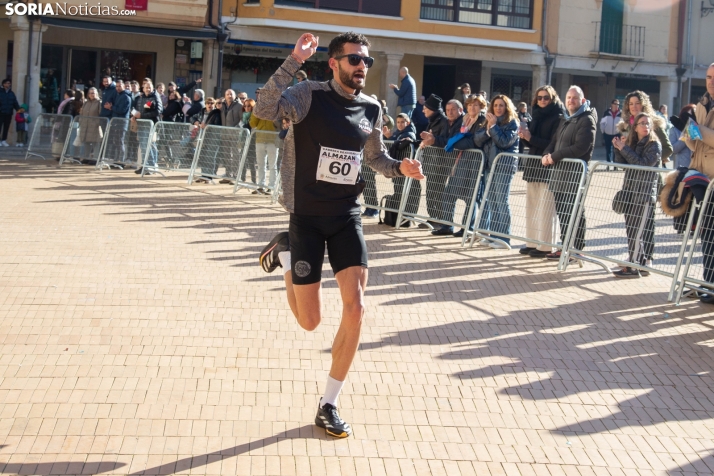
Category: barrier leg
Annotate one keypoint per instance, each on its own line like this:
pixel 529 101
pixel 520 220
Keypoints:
pixel 685 241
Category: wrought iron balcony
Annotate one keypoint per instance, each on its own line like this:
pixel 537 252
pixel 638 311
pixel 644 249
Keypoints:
pixel 619 40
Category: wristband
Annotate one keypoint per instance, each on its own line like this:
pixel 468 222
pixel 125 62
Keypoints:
pixel 296 58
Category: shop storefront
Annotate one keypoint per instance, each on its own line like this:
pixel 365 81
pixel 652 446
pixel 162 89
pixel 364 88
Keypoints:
pixel 251 64
pixel 67 67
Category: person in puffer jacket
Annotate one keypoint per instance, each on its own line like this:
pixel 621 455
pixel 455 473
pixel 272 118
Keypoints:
pixel 149 106
pixel 642 147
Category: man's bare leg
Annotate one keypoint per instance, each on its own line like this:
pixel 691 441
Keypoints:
pixel 352 282
pixel 305 301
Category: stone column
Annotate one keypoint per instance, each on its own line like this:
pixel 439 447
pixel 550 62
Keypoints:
pixel 540 76
pixel 390 75
pixel 485 81
pixel 565 80
pixel 667 93
pixel 210 56
pixel 20 27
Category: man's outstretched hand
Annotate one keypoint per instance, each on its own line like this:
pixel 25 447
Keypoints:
pixel 412 168
pixel 306 46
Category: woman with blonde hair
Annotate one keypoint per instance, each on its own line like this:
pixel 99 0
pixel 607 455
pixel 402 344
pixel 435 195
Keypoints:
pixel 499 136
pixel 638 102
pixel 541 219
pixel 91 131
pixel 639 188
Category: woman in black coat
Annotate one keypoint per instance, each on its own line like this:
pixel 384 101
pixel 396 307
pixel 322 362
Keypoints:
pixel 173 111
pixel 540 205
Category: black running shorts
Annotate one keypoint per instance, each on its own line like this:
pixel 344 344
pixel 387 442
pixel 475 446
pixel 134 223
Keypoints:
pixel 308 235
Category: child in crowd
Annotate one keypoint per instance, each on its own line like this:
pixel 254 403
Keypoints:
pixel 285 128
pixel 22 119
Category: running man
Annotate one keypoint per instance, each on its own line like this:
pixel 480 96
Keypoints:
pixel 335 127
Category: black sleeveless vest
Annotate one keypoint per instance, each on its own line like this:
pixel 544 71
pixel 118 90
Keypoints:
pixel 336 122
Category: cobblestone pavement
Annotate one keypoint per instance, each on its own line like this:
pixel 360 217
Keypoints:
pixel 138 334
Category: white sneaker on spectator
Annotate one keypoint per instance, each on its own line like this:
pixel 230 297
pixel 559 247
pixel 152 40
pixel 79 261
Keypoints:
pixel 4 144
pixel 498 245
pixel 484 242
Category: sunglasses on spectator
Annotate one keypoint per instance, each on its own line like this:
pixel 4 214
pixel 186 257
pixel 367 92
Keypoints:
pixel 543 98
pixel 354 60
pixel 646 124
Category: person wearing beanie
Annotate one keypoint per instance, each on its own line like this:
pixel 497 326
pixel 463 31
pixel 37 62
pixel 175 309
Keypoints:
pixel 437 173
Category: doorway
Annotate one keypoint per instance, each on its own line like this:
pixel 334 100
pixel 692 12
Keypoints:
pixel 439 79
pixel 83 72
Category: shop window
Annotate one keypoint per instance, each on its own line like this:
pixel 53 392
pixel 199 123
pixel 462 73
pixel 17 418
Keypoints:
pixel 127 66
pixel 517 88
pixel 247 73
pixel 51 76
pixel 507 13
pixel 370 7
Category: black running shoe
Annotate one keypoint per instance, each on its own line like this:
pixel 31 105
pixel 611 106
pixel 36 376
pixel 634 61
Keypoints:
pixel 269 256
pixel 328 418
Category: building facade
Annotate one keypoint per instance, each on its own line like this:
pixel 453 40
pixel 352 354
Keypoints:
pixel 66 51
pixel 608 47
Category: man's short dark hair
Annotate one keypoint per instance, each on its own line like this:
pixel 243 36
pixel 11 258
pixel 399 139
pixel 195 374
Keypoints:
pixel 336 47
pixel 107 76
pixel 6 80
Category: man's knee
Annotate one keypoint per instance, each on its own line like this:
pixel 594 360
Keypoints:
pixel 353 312
pixel 310 321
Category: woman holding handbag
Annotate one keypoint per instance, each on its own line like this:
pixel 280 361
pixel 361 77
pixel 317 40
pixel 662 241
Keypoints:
pixel 637 199
pixel 541 219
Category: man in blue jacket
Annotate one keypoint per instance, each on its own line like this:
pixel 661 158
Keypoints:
pixel 109 94
pixel 407 92
pixel 8 104
pixel 120 109
pixel 121 105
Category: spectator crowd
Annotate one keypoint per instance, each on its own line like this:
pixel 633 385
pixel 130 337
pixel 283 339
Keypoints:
pixel 549 128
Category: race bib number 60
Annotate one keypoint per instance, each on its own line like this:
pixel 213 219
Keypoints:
pixel 339 166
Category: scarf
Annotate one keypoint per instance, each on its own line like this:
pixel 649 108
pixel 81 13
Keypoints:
pixel 63 104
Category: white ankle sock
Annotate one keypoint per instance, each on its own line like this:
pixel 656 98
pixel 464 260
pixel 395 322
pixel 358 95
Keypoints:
pixel 284 257
pixel 332 391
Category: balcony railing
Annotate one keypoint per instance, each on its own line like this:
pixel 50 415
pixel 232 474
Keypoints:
pixel 618 39
pixel 392 8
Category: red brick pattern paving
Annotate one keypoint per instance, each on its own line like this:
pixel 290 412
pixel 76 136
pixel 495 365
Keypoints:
pixel 138 335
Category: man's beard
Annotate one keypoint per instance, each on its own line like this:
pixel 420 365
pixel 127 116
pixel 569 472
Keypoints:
pixel 346 79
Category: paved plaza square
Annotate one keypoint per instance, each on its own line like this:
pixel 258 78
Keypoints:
pixel 138 335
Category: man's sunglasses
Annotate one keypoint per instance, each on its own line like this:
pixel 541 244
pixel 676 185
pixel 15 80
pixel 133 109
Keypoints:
pixel 354 60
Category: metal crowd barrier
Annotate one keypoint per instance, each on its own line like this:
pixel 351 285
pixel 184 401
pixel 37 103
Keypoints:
pixel 124 141
pixel 86 137
pixel 450 177
pixel 528 202
pixel 49 135
pixel 220 149
pixel 264 151
pixel 170 148
pixel 698 268
pixel 639 235
pixel 381 193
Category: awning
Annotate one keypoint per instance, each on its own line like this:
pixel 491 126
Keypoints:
pixel 270 45
pixel 202 34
